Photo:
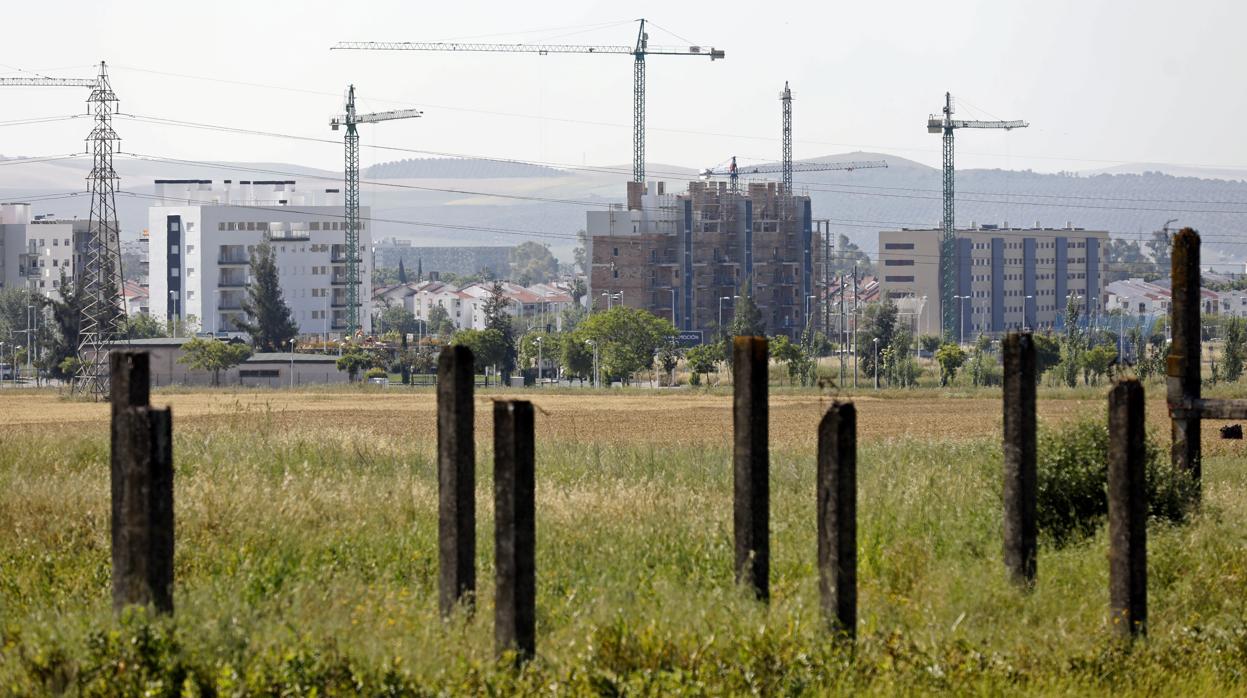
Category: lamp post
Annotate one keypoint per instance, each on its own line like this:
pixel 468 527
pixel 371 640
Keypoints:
pixel 961 319
pixel 30 334
pixel 538 340
pixel 292 363
pixel 596 379
pixel 876 363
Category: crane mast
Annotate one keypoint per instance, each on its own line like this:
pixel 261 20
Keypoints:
pixel 99 275
pixel 638 52
pixel 946 125
pixel 351 199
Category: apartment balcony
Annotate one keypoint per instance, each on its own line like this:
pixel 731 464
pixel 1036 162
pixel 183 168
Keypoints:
pixel 232 283
pixel 230 305
pixel 338 280
pixel 232 260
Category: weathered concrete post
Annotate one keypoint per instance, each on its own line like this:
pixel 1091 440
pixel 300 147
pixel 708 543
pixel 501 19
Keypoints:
pixel 751 472
pixel 456 478
pixel 514 530
pixel 1183 365
pixel 1020 480
pixel 141 475
pixel 837 517
pixel 1127 509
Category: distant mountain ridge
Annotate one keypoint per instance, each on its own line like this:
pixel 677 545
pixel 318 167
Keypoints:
pixel 455 168
pixel 486 202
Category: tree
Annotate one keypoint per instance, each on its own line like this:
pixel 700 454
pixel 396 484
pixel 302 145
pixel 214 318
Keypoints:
pixel 1072 345
pixel 352 362
pixel 747 320
pixel 15 304
pixel 794 355
pixel 627 338
pixel 1047 353
pixel 846 255
pixel 67 308
pixel 488 346
pixel 1126 259
pixel 498 319
pixel 1232 357
pixel 532 263
pixel 1097 361
pixel 950 357
pixel 140 326
pixel 702 359
pixel 1159 247
pixel 579 253
pixel 578 291
pixel 668 358
pixel 213 355
pixel 576 356
pixel 898 365
pixel 402 273
pixel 269 320
pixel 399 319
pixel 538 344
pixel 929 343
pixel 878 321
pixel 439 322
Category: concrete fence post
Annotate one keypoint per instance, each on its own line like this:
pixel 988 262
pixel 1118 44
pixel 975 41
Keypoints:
pixel 1020 478
pixel 456 478
pixel 1127 510
pixel 514 530
pixel 837 517
pixel 141 474
pixel 751 472
pixel 1183 364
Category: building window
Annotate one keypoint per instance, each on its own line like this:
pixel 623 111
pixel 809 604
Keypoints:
pixel 899 279
pixel 173 271
pixel 899 246
pixel 898 262
pixel 173 249
pixel 614 251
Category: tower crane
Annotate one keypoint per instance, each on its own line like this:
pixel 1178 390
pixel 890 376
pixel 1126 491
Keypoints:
pixel 100 272
pixel 351 119
pixel 946 124
pixel 638 52
pixel 733 172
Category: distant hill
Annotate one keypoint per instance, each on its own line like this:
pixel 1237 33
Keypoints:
pixel 455 168
pixel 511 202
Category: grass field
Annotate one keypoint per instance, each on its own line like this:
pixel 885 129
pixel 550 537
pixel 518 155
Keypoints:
pixel 307 561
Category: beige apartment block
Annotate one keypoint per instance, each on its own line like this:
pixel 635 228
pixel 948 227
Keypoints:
pixel 1006 278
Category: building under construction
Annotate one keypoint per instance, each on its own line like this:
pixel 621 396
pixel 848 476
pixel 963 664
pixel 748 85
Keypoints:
pixel 688 256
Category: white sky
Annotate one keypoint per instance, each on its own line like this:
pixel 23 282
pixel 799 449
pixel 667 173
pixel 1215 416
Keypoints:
pixel 1102 82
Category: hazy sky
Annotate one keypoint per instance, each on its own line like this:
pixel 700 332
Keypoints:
pixel 1101 82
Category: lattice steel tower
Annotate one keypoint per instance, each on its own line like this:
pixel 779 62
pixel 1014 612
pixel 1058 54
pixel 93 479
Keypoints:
pixel 786 98
pixel 100 274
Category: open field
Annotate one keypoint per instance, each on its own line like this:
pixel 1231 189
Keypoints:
pixel 307 557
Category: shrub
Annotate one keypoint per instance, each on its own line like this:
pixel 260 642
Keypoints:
pixel 1072 493
pixel 375 373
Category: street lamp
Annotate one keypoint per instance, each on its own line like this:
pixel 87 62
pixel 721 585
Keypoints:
pixel 961 319
pixel 673 306
pixel 597 381
pixel 721 299
pixel 538 340
pixel 292 363
pixel 876 363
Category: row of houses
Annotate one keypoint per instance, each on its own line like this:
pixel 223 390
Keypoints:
pixel 1148 298
pixel 541 304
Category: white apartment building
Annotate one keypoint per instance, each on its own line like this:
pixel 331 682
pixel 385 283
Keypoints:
pixel 36 250
pixel 201 237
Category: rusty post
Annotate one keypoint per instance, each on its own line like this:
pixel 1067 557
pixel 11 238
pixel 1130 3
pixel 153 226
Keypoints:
pixel 751 471
pixel 837 517
pixel 1183 365
pixel 514 530
pixel 141 474
pixel 1127 510
pixel 456 479
pixel 1020 479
